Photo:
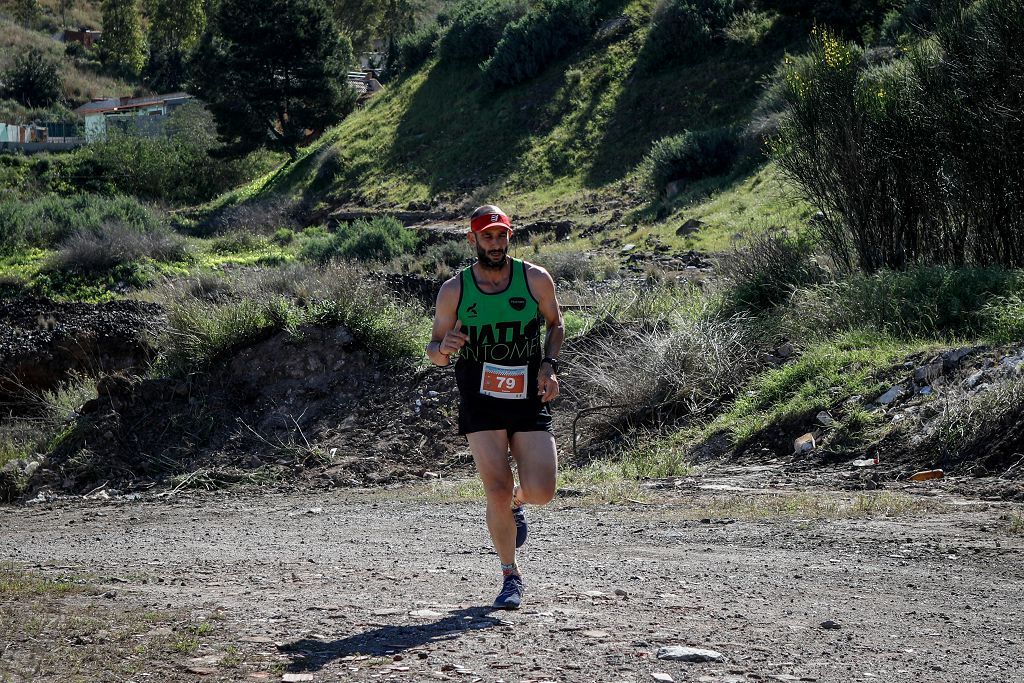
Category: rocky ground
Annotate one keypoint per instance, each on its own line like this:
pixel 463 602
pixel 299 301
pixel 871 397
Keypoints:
pixel 394 586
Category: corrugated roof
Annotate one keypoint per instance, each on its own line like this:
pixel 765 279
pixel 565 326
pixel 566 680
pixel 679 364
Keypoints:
pixel 119 103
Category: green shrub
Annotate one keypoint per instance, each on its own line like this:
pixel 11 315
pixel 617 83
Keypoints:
pixel 174 168
pixel 546 32
pixel 32 79
pixel 852 19
pixel 768 270
pixel 415 48
pixel 284 236
pixel 688 157
pixel 476 27
pixel 116 244
pixel 906 169
pixel 49 220
pixel 378 239
pixel 238 242
pixel 930 302
pixel 203 328
pixel 682 30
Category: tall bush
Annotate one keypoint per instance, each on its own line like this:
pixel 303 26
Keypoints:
pixel 690 156
pixel 414 49
pixel 378 239
pixel 681 31
pixel 906 167
pixel 47 221
pixel 475 28
pixel 546 32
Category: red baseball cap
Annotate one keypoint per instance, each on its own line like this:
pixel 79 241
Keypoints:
pixel 490 220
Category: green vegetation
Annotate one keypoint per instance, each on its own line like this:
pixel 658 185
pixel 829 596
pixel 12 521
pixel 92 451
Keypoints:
pixel 682 30
pixel 204 328
pixel 904 168
pixel 826 374
pixel 47 221
pixel 529 44
pixel 18 584
pixel 379 239
pixel 299 44
pixel 688 157
pixel 122 49
pixel 32 80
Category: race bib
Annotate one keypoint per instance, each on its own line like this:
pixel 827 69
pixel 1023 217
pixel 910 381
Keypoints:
pixel 501 381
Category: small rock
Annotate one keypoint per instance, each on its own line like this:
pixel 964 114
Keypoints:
pixel 830 625
pixel 974 379
pixel 679 653
pixel 890 396
pixel 804 444
pixel 951 359
pixel 621 593
pixel 431 475
pixel 926 391
pixel 296 678
pixel 825 419
pixel 865 462
pixel 628 247
pixel 595 634
pixel 689 227
pixel 926 373
pixel 31 468
pixel 664 677
pixel 785 350
pixel 425 614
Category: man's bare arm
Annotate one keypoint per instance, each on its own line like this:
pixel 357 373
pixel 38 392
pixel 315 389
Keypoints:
pixel 445 338
pixel 543 289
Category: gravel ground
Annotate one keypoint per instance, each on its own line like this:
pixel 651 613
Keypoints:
pixel 360 586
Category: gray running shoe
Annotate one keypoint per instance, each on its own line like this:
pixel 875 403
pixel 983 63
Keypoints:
pixel 511 595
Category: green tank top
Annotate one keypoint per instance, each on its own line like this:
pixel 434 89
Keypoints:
pixel 503 327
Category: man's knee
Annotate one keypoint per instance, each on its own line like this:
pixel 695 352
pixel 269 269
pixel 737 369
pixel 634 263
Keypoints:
pixel 537 494
pixel 498 489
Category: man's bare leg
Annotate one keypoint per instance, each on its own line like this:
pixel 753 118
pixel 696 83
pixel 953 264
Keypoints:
pixel 537 458
pixel 490 452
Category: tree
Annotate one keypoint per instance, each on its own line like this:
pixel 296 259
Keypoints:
pixel 122 47
pixel 174 31
pixel 33 80
pixel 358 19
pixel 27 12
pixel 273 72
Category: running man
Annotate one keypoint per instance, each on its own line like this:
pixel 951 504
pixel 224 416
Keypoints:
pixel 490 314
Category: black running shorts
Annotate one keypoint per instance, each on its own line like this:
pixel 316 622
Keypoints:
pixel 483 415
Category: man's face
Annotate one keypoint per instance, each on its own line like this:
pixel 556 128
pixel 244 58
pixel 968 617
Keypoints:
pixel 491 246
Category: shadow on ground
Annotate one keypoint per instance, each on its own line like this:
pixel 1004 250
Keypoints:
pixel 310 654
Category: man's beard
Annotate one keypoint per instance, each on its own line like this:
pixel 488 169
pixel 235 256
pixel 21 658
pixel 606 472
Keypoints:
pixel 489 263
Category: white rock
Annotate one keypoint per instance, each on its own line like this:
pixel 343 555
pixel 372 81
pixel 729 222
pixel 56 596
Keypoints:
pixel 664 677
pixel 679 653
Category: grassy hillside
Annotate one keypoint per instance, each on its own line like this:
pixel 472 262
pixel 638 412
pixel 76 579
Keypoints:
pixel 570 139
pixel 81 81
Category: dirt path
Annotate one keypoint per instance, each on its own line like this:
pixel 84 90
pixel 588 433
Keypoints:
pixel 350 586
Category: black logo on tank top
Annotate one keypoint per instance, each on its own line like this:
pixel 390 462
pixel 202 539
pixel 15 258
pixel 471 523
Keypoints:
pixel 472 311
pixel 517 302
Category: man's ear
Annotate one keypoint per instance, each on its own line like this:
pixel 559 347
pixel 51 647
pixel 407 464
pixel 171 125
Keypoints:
pixel 471 236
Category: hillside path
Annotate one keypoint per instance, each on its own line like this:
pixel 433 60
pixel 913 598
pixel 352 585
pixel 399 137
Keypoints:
pixel 350 586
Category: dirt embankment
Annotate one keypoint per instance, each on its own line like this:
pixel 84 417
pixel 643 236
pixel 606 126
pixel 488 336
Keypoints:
pixel 313 403
pixel 43 343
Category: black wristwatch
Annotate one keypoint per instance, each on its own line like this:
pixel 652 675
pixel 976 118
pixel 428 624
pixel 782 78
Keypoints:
pixel 553 362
